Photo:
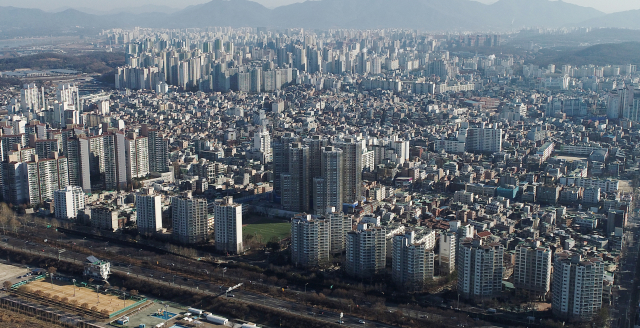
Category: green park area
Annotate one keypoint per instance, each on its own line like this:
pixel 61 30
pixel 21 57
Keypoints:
pixel 264 230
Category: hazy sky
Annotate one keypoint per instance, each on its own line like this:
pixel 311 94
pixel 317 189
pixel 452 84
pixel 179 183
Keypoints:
pixel 607 6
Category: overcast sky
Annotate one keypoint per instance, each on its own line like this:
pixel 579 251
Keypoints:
pixel 607 6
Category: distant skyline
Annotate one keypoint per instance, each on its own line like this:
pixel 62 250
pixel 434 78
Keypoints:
pixel 609 6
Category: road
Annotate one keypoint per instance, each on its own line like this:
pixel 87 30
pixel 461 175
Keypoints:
pixel 623 307
pixel 195 285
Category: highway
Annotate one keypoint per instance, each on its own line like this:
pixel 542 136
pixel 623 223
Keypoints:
pixel 201 286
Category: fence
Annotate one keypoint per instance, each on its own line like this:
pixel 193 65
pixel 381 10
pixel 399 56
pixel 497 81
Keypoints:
pixel 24 282
pixel 138 303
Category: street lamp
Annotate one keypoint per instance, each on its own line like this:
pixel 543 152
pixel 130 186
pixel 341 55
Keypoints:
pixel 74 288
pixel 223 271
pixel 305 288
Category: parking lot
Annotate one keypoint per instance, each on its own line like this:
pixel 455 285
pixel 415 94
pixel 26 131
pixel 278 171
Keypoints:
pixel 11 273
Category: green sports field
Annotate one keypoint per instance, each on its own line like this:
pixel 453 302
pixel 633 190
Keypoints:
pixel 265 229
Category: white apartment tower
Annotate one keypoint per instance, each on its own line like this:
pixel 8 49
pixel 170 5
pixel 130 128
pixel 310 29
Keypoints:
pixel 480 269
pixel 577 286
pixel 68 201
pixel 366 251
pixel 412 261
pixel 148 212
pixel 68 93
pixel 310 240
pixel 30 98
pixel 137 156
pixel 484 140
pixel 532 272
pixel 228 226
pixel 189 216
pixel 262 144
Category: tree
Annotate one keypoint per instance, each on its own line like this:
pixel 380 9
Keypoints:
pixel 52 270
pixel 84 305
pixel 7 285
pixel 601 318
pixel 94 308
pixel 274 246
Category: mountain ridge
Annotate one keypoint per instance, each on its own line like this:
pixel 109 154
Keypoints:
pixel 430 15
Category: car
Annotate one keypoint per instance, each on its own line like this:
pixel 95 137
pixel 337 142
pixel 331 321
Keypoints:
pixel 340 322
pixel 361 321
pixel 231 295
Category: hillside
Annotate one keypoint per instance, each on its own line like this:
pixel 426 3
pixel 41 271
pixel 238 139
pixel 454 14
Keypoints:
pixel 626 19
pixel 95 62
pixel 601 54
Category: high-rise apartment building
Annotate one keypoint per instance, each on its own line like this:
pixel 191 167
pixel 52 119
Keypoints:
pixel 108 160
pixel 366 251
pixel 137 156
pixel 262 144
pixel 328 188
pixel 340 226
pixel 577 286
pixel 148 212
pixel 68 93
pixel 189 216
pixel 447 252
pixel 316 145
pixel 310 240
pixel 281 161
pixel 412 261
pixel 352 151
pixel 30 98
pixel 158 150
pixel 295 182
pixel 480 269
pixel 68 201
pixel 228 226
pixel 79 163
pixel 532 271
